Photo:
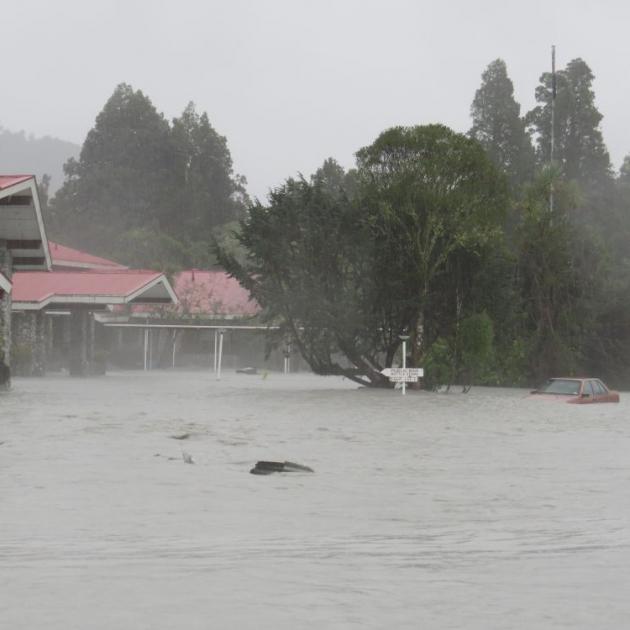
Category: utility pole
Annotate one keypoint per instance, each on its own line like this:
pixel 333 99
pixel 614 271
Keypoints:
pixel 553 123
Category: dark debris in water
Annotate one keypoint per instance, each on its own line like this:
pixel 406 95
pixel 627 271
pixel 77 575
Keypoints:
pixel 181 436
pixel 267 468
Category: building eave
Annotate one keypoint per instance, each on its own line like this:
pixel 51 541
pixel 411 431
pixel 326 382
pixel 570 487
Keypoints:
pixel 30 184
pixel 5 283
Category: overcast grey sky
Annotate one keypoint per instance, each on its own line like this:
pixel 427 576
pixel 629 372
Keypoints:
pixel 291 82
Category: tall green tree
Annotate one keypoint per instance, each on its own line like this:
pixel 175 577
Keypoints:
pixel 123 175
pixel 562 280
pixel 498 126
pixel 335 178
pixel 435 203
pixel 624 171
pixel 208 192
pixel 580 152
pixel 140 180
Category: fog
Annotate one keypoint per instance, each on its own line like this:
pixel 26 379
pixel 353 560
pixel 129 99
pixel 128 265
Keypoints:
pixel 292 82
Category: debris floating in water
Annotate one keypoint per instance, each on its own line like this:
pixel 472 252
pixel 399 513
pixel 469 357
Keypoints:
pixel 247 370
pixel 187 457
pixel 181 436
pixel 266 468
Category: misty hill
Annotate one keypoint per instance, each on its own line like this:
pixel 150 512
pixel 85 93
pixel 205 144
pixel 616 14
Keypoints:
pixel 20 153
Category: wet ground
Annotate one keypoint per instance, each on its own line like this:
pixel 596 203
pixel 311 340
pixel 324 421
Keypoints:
pixel 485 510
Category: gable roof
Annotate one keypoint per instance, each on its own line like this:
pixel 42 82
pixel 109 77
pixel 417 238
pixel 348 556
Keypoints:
pixel 21 223
pixel 34 290
pixel 7 181
pixel 68 258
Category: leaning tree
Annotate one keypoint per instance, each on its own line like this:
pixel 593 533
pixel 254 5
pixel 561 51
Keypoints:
pixel 344 276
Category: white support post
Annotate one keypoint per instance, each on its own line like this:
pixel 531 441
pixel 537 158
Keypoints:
pixel 146 347
pixel 404 364
pixel 220 355
pixel 174 345
pixel 150 348
pixel 216 346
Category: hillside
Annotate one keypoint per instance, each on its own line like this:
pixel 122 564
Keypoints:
pixel 20 153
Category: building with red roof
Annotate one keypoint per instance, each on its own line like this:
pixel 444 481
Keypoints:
pixel 39 296
pixel 39 279
pixel 37 290
pixel 65 258
pixel 23 244
pixel 206 294
pixel 61 295
pixel 213 294
pixel 207 301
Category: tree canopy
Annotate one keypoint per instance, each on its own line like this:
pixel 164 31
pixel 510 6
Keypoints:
pixel 452 240
pixel 580 150
pixel 448 238
pixel 140 179
pixel 498 126
pixel 345 277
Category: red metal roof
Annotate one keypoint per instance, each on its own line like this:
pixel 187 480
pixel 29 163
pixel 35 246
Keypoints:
pixel 10 180
pixel 212 292
pixel 209 293
pixel 63 256
pixel 38 286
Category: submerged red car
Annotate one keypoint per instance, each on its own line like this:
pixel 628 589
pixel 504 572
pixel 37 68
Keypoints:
pixel 580 391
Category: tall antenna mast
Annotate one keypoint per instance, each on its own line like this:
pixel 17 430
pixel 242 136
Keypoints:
pixel 553 122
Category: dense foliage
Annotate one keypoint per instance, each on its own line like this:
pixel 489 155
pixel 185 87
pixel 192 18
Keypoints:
pixel 454 241
pixel 345 275
pixel 448 238
pixel 145 191
pixel 498 126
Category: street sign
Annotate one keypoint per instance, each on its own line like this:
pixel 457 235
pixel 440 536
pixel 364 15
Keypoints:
pixel 403 375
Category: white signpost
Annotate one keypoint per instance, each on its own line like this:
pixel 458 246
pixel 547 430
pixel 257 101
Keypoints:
pixel 403 374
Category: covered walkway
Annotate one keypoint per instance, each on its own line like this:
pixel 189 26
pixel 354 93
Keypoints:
pixel 39 296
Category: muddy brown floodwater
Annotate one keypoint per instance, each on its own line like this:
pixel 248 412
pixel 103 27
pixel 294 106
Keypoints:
pixel 485 510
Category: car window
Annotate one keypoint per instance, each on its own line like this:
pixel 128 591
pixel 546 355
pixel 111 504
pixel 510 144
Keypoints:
pixel 588 388
pixel 599 388
pixel 561 386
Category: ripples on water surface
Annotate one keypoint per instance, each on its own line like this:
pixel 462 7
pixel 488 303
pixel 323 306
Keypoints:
pixel 484 510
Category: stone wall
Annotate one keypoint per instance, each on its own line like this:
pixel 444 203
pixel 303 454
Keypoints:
pixel 37 348
pixel 29 343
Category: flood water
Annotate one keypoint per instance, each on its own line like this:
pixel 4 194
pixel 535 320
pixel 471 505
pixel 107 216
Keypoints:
pixel 434 511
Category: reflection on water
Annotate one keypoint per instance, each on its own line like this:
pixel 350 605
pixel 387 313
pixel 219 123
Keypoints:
pixel 485 510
